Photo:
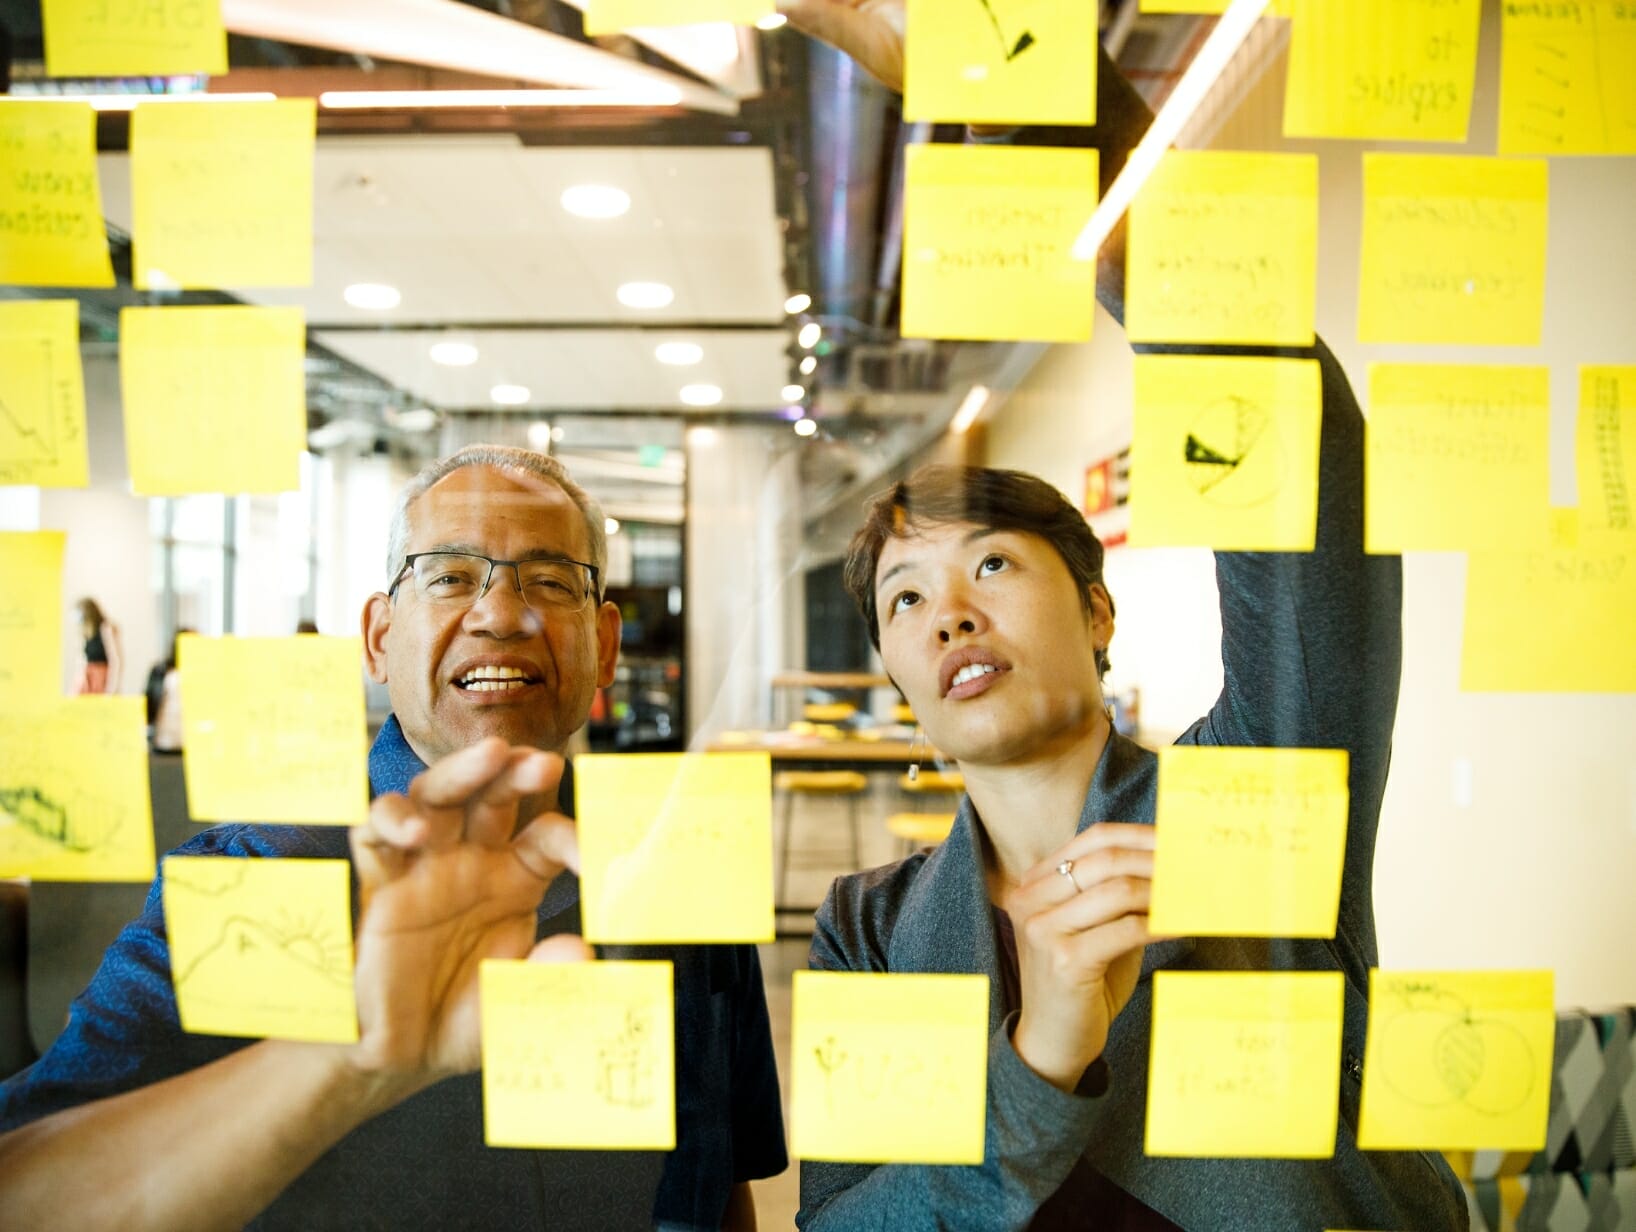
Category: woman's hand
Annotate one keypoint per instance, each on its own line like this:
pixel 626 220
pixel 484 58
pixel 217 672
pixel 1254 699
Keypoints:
pixel 870 31
pixel 1079 946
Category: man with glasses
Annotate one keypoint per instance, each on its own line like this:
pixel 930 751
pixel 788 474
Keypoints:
pixel 492 638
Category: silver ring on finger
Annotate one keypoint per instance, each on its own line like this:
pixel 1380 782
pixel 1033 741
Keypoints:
pixel 1066 868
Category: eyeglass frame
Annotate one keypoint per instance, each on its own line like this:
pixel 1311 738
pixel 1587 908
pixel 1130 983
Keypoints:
pixel 595 594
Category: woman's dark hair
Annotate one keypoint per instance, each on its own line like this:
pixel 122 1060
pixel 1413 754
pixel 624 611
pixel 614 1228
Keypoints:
pixel 982 496
pixel 91 616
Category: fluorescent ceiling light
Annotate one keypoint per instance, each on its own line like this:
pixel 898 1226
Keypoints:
pixel 970 409
pixel 809 335
pixel 510 395
pixel 1218 50
pixel 701 437
pixel 539 435
pixel 799 302
pixel 701 395
pixel 773 21
pixel 710 49
pixel 421 419
pixel 809 365
pixel 646 295
pixel 596 201
pixel 792 393
pixel 678 354
pixel 372 296
pixel 448 34
pixel 805 427
pixel 454 354
pixel 379 100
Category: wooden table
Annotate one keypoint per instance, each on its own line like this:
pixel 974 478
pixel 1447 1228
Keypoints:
pixel 788 750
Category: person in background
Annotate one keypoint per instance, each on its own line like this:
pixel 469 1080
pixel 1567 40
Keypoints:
pixel 103 660
pixel 164 694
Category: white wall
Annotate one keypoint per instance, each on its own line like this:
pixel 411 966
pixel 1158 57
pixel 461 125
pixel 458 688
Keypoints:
pixel 1508 836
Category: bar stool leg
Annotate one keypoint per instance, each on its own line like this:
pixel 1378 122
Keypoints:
pixel 857 845
pixel 784 855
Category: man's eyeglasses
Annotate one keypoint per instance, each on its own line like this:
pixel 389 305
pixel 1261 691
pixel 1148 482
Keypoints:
pixel 460 579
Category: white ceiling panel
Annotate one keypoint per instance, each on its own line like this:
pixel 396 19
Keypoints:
pixel 567 369
pixel 473 231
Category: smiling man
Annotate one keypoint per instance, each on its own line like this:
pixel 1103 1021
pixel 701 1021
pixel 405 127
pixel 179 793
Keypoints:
pixel 492 637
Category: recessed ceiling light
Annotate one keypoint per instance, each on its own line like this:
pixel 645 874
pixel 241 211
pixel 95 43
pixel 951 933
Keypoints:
pixel 792 393
pixel 809 365
pixel 454 354
pixel 374 296
pixel 805 427
pixel 809 335
pixel 596 201
pixel 701 395
pixel 772 21
pixel 798 303
pixel 510 395
pixel 420 419
pixel 558 433
pixel 539 435
pixel 645 295
pixel 678 354
pixel 611 525
pixel 701 437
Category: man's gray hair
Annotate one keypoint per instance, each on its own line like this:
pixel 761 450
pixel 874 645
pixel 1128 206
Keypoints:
pixel 505 457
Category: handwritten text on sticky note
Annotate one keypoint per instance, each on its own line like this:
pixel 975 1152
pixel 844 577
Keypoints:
pixel 215 398
pixel 889 1068
pixel 1456 457
pixel 31 617
pixel 1250 842
pixel 51 229
pixel 1245 1064
pixel 42 394
pixel 222 194
pixel 1224 248
pixel 1605 452
pixel 579 1056
pixel 74 792
pixel 1457 1060
pixel 274 729
pixel 988 238
pixel 1565 81
pixel 1453 250
pixel 1387 70
pixel 1225 453
pixel 261 948
pixel 133 38
pixel 675 847
pixel 1001 61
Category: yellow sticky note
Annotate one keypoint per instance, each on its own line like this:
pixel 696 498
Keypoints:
pixel 1224 248
pixel 1001 61
pixel 1453 250
pixel 118 38
pixel 31 618
pixel 221 194
pixel 74 792
pixel 889 1068
pixel 1457 1060
pixel 1276 8
pixel 579 1056
pixel 1245 1064
pixel 1566 85
pixel 1457 457
pixel 1390 70
pixel 988 239
pixel 1572 635
pixel 51 229
pixel 1605 451
pixel 1224 453
pixel 42 394
pixel 273 729
pixel 215 398
pixel 262 948
pixel 614 16
pixel 1250 842
pixel 675 847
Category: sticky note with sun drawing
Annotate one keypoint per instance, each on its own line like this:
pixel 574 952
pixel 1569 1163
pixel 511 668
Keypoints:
pixel 1224 453
pixel 261 948
pixel 1457 1060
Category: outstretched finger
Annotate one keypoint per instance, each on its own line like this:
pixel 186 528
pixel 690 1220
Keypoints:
pixel 492 816
pixel 441 792
pixel 548 845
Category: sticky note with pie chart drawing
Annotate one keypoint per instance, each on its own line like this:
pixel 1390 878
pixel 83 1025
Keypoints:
pixel 42 395
pixel 1457 1060
pixel 1225 453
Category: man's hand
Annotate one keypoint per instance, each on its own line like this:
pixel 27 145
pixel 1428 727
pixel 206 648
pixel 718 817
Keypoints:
pixel 445 880
pixel 1080 950
pixel 870 31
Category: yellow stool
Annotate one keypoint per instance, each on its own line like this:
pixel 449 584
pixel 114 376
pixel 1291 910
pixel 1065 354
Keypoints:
pixel 828 712
pixel 920 829
pixel 835 783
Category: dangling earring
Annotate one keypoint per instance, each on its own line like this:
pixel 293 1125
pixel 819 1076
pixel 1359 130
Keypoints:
pixel 914 758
